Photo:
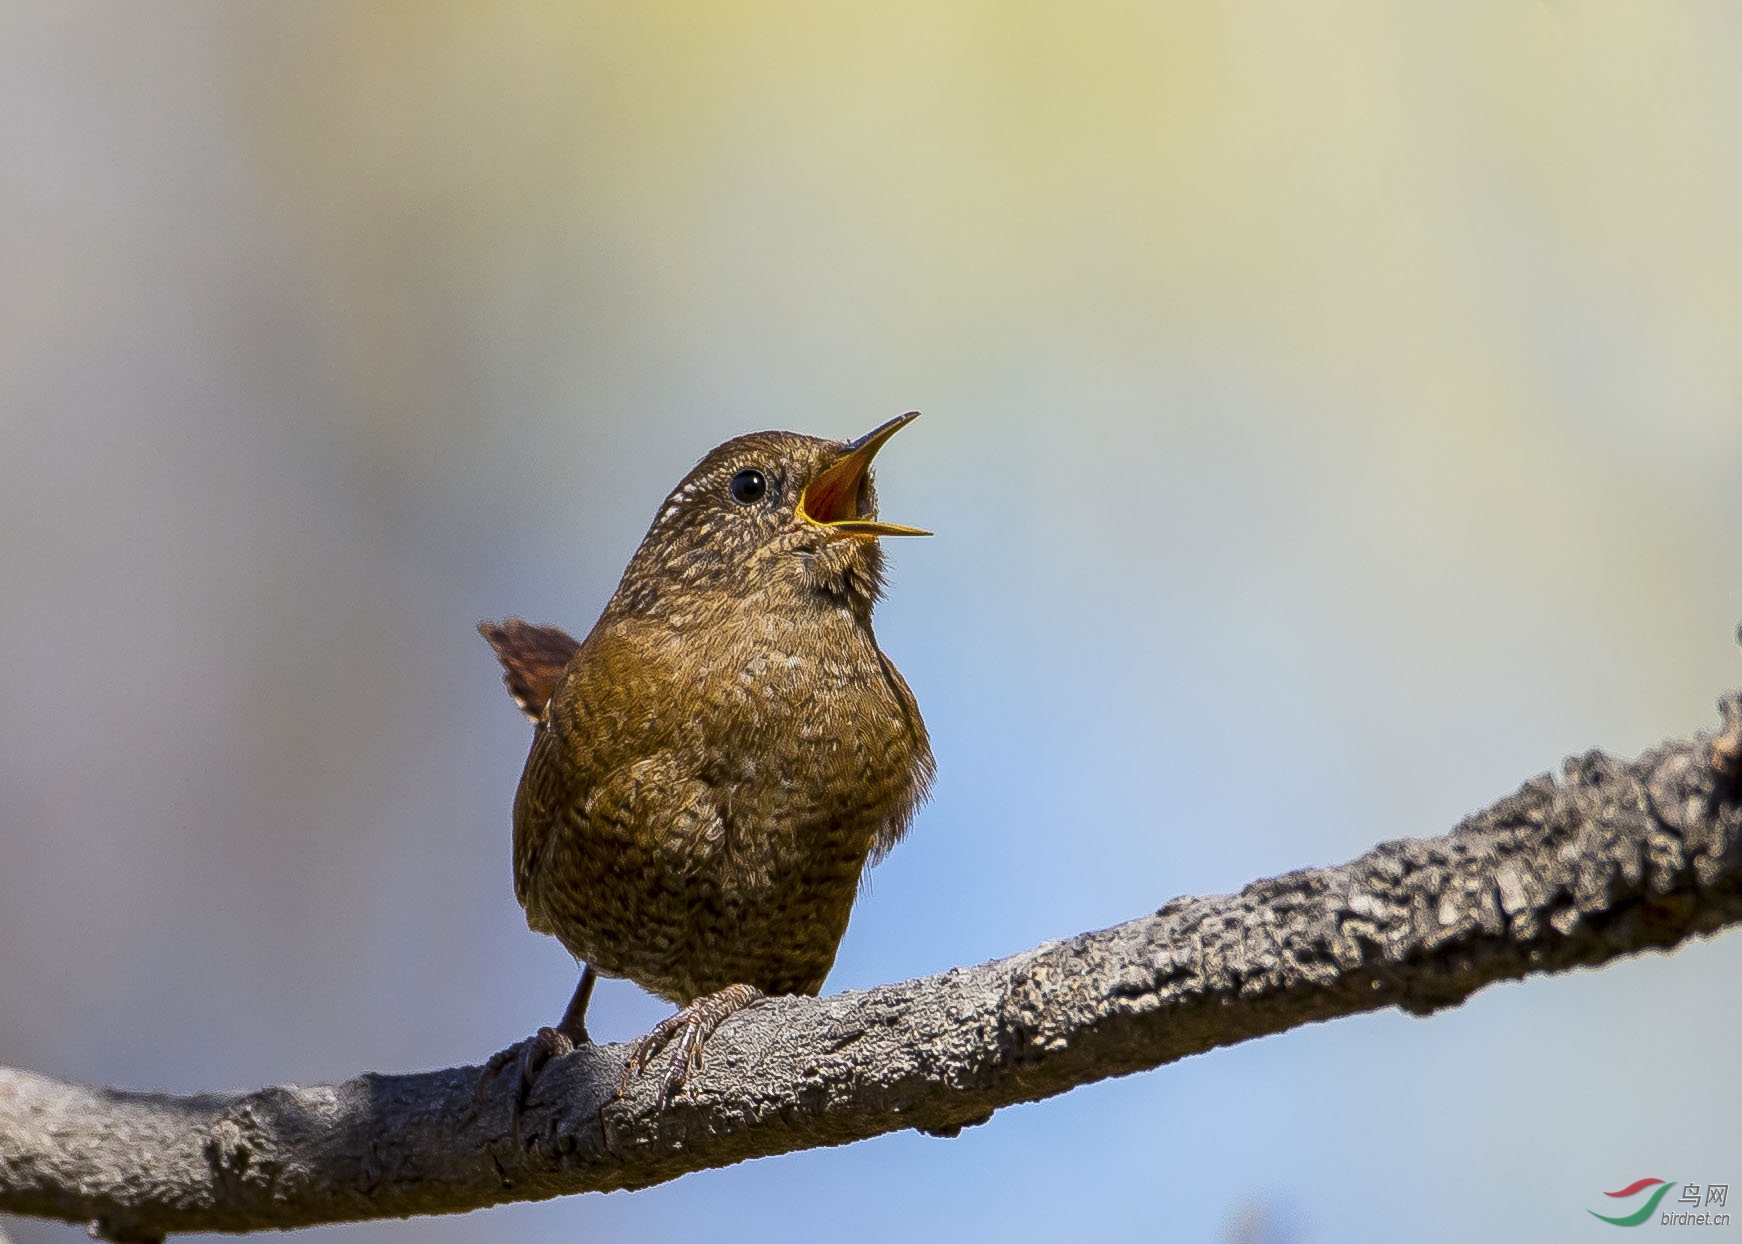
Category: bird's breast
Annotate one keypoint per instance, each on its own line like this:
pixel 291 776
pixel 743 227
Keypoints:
pixel 712 821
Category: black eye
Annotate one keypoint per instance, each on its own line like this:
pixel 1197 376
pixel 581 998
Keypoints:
pixel 748 487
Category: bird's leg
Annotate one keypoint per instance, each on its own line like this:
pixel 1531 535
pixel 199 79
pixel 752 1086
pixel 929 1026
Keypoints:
pixel 686 1033
pixel 532 1054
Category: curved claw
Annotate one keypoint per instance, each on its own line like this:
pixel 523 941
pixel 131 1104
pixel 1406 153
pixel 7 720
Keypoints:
pixel 686 1032
pixel 648 1047
pixel 529 1057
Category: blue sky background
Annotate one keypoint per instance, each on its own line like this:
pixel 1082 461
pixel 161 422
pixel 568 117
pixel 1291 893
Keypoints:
pixel 1333 417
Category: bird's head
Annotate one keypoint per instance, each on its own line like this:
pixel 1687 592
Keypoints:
pixel 768 514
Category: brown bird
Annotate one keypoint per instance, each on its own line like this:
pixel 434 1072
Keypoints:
pixel 715 765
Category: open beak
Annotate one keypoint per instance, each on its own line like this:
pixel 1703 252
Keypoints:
pixel 836 498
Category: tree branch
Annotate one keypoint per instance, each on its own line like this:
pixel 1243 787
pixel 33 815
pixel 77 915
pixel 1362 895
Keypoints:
pixel 1614 859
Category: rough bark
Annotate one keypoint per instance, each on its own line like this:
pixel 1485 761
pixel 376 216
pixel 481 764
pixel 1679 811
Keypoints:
pixel 1613 859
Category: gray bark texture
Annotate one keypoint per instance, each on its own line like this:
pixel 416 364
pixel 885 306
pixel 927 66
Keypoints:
pixel 1612 859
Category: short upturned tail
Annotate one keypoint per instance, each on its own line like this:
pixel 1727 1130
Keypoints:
pixel 533 658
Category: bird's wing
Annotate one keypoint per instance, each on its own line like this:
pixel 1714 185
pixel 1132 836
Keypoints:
pixel 606 767
pixel 539 808
pixel 533 658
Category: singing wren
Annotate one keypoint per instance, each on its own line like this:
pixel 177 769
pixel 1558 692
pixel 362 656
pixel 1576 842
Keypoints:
pixel 716 764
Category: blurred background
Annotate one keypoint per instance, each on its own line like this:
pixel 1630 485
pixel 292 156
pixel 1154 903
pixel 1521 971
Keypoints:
pixel 1332 419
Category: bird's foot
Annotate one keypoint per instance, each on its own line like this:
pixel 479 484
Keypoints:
pixel 686 1033
pixel 530 1056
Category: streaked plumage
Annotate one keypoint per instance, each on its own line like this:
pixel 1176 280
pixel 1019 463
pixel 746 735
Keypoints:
pixel 715 765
